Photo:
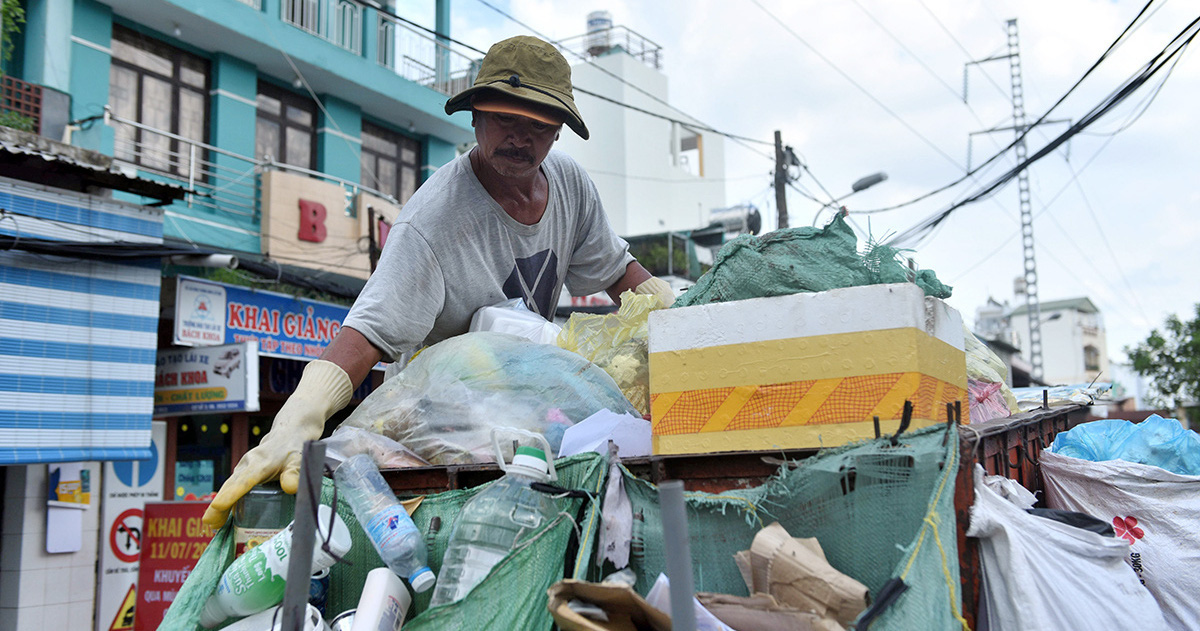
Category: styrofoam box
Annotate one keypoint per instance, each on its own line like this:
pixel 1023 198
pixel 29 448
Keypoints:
pixel 802 371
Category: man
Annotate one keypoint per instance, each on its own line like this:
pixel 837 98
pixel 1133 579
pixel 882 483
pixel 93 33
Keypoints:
pixel 510 219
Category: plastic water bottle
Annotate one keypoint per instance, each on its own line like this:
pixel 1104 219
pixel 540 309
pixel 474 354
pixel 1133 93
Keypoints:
pixel 387 524
pixel 493 523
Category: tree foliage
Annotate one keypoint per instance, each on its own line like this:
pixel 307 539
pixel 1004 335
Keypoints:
pixel 1171 359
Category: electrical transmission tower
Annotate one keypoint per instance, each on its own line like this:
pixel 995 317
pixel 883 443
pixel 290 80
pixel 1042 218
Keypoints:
pixel 1019 127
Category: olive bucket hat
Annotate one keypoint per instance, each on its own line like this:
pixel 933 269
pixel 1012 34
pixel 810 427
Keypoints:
pixel 528 70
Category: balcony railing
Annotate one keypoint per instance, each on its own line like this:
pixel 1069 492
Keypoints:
pixel 422 58
pixel 219 180
pixel 335 21
pixel 596 43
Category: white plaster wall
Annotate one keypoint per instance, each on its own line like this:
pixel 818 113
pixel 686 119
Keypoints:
pixel 1063 341
pixel 629 155
pixel 38 590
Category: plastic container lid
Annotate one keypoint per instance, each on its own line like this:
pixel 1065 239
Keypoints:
pixel 530 461
pixel 422 580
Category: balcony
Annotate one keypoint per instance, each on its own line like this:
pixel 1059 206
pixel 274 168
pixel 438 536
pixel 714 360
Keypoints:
pixel 220 182
pixel 407 50
pixel 601 42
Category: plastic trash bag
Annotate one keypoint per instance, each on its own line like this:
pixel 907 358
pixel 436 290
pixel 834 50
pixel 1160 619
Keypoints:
pixel 618 343
pixel 1042 574
pixel 346 442
pixel 986 401
pixel 513 316
pixel 1155 513
pixel 1156 441
pixel 985 366
pixel 444 404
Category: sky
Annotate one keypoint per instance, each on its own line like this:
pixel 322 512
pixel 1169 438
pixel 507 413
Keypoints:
pixel 859 86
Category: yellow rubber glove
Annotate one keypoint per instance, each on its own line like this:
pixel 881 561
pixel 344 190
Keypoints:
pixel 323 389
pixel 655 286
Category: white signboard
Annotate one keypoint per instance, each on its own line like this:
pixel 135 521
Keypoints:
pixel 206 380
pixel 199 313
pixel 127 486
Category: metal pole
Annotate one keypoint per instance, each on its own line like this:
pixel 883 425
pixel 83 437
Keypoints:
pixel 780 184
pixel 679 555
pixel 304 533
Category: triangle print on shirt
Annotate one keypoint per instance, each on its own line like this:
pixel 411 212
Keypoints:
pixel 534 279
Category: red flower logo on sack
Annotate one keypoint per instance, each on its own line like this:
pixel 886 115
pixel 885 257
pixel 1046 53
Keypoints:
pixel 1126 527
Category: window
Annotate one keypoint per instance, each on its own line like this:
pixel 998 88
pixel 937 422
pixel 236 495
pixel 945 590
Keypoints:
pixel 1091 358
pixel 389 162
pixel 285 128
pixel 163 88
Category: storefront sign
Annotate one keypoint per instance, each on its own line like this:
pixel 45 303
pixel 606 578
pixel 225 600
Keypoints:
pixel 193 478
pixel 206 379
pixel 127 486
pixel 282 325
pixel 174 539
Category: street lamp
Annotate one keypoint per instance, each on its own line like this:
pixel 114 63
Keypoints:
pixel 861 184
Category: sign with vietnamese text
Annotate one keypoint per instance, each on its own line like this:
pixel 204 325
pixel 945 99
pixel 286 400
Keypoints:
pixel 282 325
pixel 126 487
pixel 174 539
pixel 206 379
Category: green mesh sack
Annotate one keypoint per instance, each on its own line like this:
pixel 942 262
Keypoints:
pixel 879 512
pixel 798 260
pixel 519 581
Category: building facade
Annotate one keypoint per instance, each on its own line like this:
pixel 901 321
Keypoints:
pixel 287 134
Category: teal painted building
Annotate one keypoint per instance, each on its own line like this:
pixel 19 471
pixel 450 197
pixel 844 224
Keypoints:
pixel 211 94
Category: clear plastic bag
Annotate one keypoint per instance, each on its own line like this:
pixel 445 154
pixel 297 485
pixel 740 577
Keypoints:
pixel 443 405
pixel 618 343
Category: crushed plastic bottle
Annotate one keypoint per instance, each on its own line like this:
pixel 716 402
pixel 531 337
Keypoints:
pixel 493 523
pixel 383 517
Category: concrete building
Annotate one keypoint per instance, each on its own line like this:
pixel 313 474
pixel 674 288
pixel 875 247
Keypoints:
pixel 286 134
pixel 1074 346
pixel 653 175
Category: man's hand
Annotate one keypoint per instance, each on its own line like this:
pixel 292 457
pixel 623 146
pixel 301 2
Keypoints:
pixel 324 389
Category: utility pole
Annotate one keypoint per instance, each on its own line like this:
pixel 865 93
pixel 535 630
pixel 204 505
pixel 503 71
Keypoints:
pixel 1019 127
pixel 781 178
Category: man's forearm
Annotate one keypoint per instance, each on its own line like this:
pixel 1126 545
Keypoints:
pixel 634 275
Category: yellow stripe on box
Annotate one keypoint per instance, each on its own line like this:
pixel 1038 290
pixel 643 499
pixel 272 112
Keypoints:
pixel 825 402
pixel 810 437
pixel 807 358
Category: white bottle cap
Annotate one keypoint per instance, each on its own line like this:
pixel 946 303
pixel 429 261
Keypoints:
pixel 530 461
pixel 422 580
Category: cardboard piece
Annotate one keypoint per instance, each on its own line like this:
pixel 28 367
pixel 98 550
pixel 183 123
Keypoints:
pixel 626 610
pixel 796 573
pixel 761 612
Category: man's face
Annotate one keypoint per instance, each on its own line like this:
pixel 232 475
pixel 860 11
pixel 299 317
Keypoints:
pixel 512 145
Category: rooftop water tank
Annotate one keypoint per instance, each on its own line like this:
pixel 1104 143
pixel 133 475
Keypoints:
pixel 599 27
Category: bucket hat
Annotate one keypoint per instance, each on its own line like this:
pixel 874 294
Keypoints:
pixel 524 69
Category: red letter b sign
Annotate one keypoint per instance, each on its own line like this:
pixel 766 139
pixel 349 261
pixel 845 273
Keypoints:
pixel 312 221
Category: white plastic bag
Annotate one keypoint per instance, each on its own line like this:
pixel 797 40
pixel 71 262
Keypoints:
pixel 513 316
pixel 1043 574
pixel 1153 510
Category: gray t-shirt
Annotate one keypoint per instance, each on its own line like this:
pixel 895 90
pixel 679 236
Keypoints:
pixel 453 250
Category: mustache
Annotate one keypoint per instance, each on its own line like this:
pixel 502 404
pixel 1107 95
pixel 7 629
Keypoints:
pixel 514 153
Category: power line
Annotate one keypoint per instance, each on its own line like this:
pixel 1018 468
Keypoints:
pixel 1173 49
pixel 694 124
pixel 860 88
pixel 1021 137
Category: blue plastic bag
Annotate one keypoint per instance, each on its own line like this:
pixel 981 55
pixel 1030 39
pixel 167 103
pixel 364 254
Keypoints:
pixel 1156 441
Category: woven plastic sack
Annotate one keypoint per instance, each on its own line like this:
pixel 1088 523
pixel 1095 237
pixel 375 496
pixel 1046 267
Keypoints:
pixel 618 343
pixel 561 549
pixel 1031 569
pixel 879 513
pixel 444 404
pixel 1156 511
pixel 798 260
